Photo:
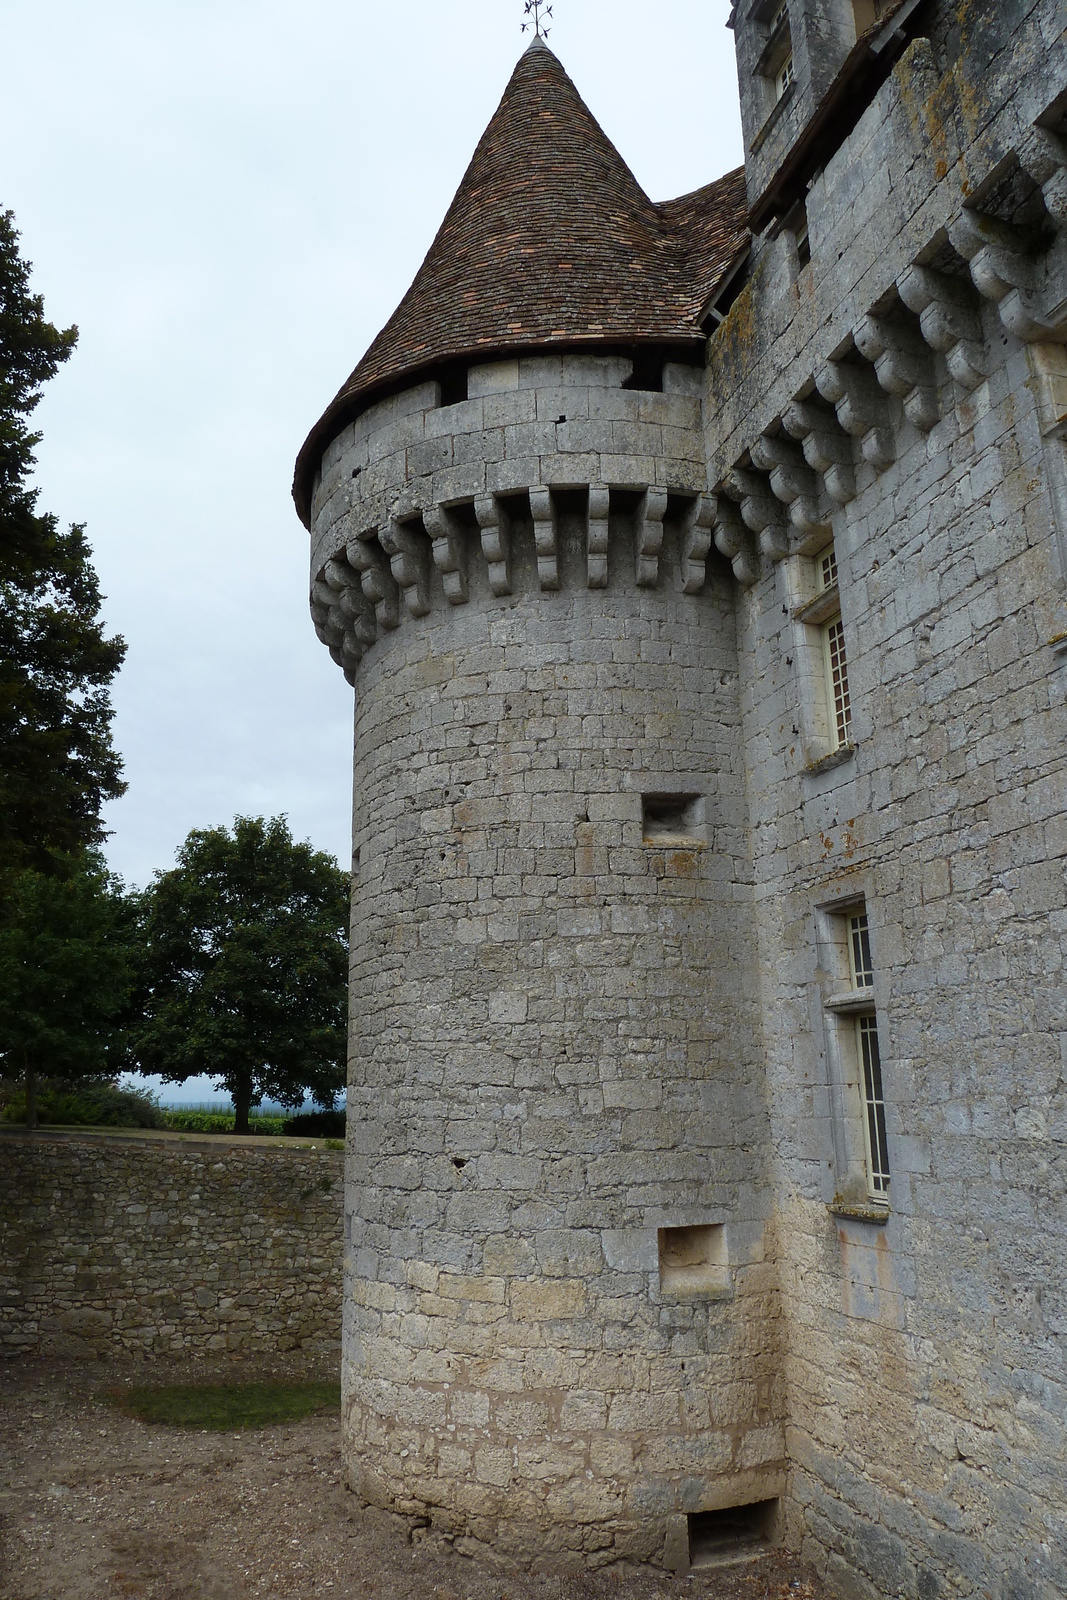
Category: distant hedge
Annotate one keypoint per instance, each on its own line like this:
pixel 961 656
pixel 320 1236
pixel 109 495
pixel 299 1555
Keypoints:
pixel 221 1122
pixel 87 1105
pixel 315 1125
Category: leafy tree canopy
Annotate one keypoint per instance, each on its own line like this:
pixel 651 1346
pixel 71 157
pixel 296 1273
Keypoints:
pixel 245 958
pixel 64 973
pixel 57 764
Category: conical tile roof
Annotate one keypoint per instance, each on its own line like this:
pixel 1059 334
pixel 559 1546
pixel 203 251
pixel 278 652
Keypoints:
pixel 550 241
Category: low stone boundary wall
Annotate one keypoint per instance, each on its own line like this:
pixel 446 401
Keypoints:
pixel 143 1246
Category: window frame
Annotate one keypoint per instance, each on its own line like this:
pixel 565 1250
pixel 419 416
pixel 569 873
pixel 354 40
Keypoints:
pixel 858 1103
pixel 820 647
pixel 838 694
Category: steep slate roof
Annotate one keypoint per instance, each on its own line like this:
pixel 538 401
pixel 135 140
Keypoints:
pixel 550 241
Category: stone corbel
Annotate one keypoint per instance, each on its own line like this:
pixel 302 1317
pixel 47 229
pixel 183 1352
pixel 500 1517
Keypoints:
pixel 1043 155
pixel 947 321
pixel 792 481
pixel 596 543
pixel 861 409
pixel 490 516
pixel 1003 271
pixel 449 552
pixel 321 599
pixel 734 541
pixel 338 580
pixel 903 367
pixel 326 631
pixel 697 521
pixel 407 562
pixel 760 511
pixel 827 448
pixel 544 522
pixel 350 628
pixel 359 619
pixel 379 585
pixel 648 536
pixel 352 652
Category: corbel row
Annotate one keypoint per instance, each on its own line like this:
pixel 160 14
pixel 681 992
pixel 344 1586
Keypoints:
pixel 781 494
pixel 1002 264
pixel 363 591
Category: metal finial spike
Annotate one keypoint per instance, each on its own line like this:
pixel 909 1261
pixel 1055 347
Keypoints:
pixel 534 8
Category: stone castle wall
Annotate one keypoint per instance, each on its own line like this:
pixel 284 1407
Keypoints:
pixel 143 1247
pixel 925 1352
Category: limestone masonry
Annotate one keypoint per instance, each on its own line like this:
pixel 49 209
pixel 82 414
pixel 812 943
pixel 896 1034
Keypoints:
pixel 131 1246
pixel 701 571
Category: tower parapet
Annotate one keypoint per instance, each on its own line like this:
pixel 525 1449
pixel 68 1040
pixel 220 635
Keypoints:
pixel 413 492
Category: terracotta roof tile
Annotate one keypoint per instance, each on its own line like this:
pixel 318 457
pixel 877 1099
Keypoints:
pixel 550 241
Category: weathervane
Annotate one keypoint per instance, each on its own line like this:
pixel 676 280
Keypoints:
pixel 534 9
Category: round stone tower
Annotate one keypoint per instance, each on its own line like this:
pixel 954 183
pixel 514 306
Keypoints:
pixel 560 1318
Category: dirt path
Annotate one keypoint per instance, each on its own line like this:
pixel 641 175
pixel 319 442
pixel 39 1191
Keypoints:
pixel 95 1505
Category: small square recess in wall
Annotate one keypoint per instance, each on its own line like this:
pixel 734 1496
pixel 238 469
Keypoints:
pixel 692 1261
pixel 672 819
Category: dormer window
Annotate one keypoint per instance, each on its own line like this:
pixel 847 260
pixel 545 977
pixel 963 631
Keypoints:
pixel 776 65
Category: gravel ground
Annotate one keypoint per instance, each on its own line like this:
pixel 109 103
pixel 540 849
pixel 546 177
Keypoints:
pixel 94 1504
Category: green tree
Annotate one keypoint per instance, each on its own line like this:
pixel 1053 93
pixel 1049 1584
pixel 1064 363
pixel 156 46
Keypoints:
pixel 244 967
pixel 57 763
pixel 64 974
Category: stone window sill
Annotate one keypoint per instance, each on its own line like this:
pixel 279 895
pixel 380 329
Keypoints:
pixel 823 606
pixel 853 1002
pixel 827 763
pixel 688 1297
pixel 877 1214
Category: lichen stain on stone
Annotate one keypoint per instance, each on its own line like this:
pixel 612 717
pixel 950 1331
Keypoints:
pixel 938 122
pixel 737 333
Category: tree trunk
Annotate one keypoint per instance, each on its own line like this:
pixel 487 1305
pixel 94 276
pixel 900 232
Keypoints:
pixel 242 1101
pixel 31 1094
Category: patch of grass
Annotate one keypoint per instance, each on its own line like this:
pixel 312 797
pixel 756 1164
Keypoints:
pixel 226 1405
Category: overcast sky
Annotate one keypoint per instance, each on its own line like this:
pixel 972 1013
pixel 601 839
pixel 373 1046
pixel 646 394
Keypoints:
pixel 229 199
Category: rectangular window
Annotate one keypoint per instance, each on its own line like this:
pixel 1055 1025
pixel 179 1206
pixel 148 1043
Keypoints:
pixel 785 77
pixel 860 1139
pixel 877 1150
pixel 825 692
pixel 837 691
pixel 861 968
